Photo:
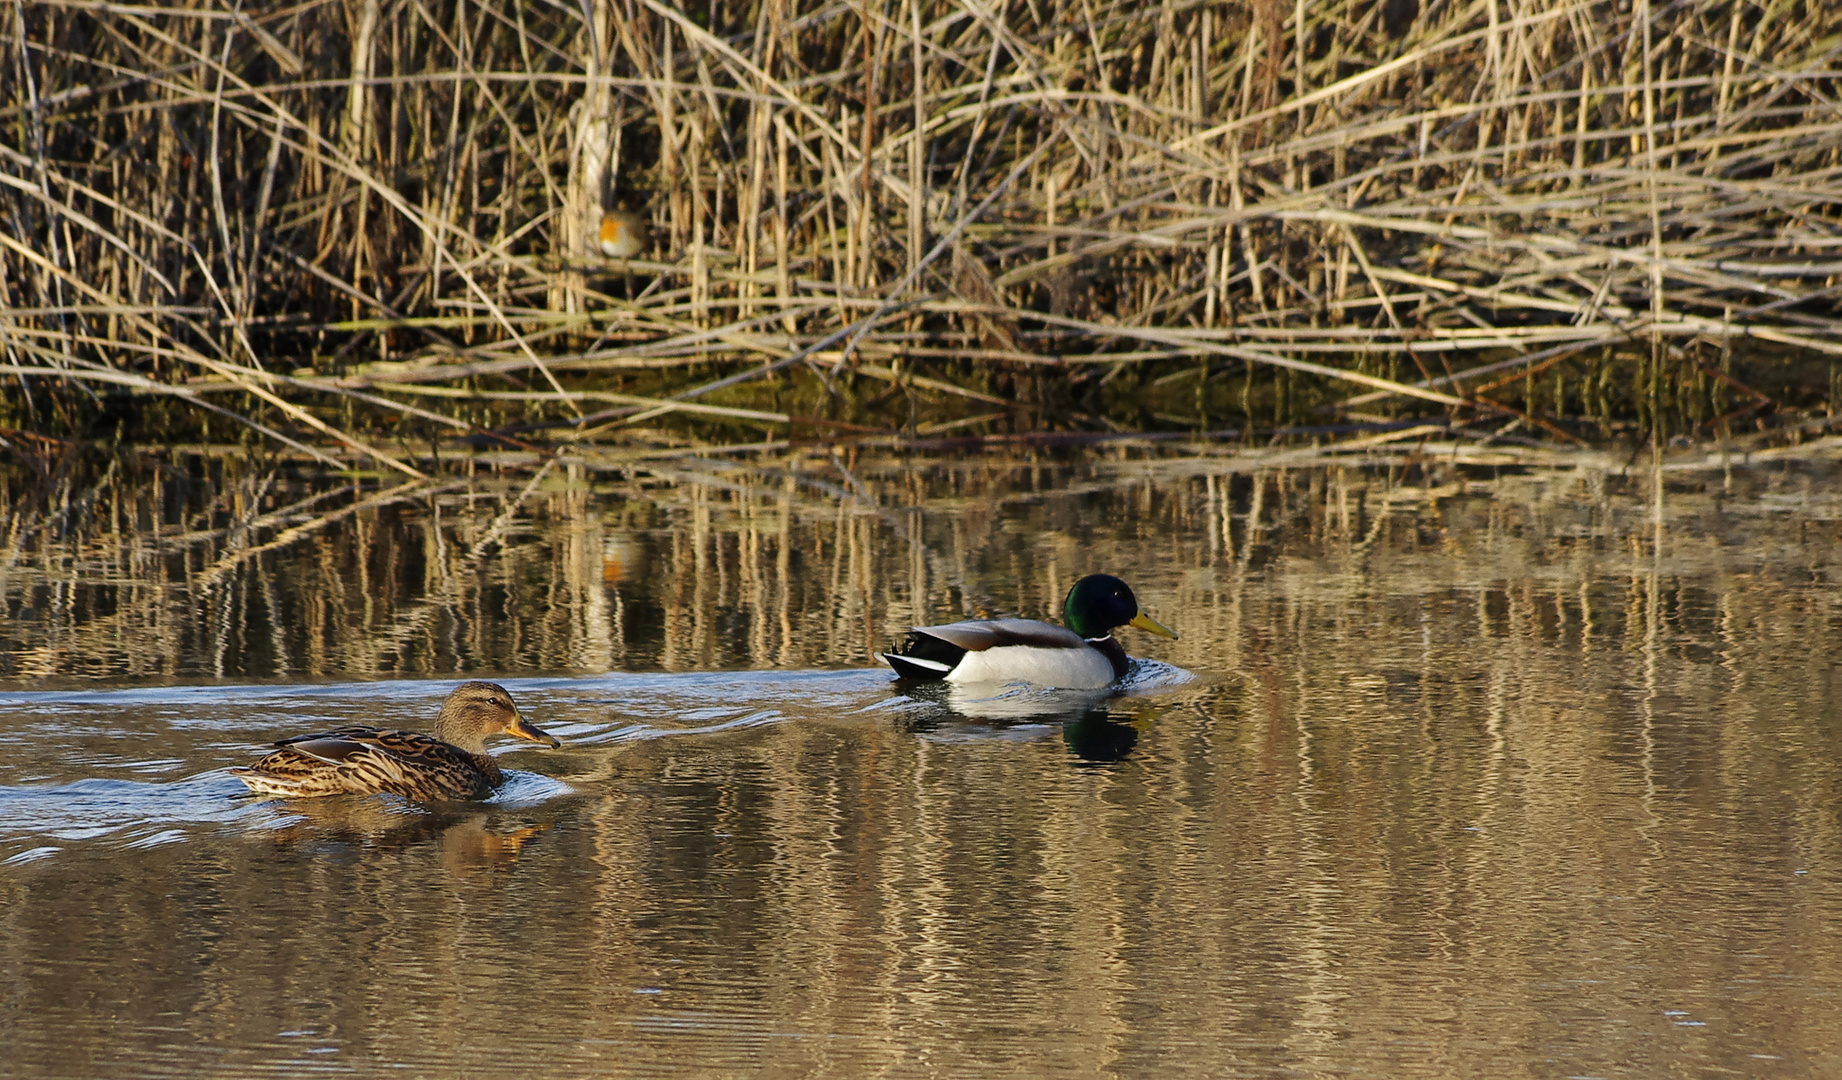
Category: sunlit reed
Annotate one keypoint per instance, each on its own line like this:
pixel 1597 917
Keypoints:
pixel 349 230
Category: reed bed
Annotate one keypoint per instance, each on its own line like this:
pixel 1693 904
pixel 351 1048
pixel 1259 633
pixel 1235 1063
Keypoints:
pixel 360 231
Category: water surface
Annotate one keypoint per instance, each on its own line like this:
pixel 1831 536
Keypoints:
pixel 1451 774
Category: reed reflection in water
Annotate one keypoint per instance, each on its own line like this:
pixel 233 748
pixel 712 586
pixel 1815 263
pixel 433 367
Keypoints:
pixel 1448 776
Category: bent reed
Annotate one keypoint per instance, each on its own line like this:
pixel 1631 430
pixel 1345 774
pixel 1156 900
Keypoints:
pixel 364 229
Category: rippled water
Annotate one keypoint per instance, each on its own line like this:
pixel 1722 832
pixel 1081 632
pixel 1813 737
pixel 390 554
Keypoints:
pixel 1450 775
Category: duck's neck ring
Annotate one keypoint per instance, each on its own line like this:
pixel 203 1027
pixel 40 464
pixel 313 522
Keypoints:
pixel 1115 654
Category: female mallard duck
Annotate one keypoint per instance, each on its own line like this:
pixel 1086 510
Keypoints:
pixel 1082 657
pixel 362 760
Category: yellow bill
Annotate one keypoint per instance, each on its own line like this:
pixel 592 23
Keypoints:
pixel 1146 622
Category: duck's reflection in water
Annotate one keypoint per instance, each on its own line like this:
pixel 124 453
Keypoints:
pixel 1098 735
pixel 468 836
pixel 1092 731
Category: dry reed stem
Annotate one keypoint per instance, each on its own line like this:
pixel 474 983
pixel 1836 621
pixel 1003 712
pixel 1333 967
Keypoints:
pixel 397 196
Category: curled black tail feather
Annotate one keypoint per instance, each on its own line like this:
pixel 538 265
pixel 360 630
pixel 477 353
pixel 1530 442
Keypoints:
pixel 923 657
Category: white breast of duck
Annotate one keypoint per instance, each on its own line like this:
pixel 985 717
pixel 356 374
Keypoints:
pixel 1080 668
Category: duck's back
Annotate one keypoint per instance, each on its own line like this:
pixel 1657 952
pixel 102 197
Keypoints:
pixel 980 635
pixel 362 760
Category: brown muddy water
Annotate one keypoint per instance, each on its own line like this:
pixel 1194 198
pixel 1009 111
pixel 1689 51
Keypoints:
pixel 1452 774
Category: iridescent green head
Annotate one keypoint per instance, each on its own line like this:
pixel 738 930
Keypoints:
pixel 1099 602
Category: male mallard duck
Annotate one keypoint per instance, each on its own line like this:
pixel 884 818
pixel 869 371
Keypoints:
pixel 363 760
pixel 1084 656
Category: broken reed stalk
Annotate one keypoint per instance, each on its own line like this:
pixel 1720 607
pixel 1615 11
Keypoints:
pixel 396 204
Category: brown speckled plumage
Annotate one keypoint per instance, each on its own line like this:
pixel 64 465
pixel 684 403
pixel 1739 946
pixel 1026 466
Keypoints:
pixel 361 760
